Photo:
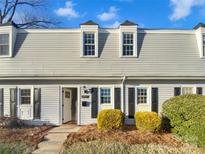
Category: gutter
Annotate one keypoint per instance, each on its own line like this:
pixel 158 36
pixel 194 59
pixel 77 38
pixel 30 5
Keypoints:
pixel 123 94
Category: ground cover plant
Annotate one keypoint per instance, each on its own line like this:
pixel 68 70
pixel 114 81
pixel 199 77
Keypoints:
pixel 106 147
pixel 89 139
pixel 17 137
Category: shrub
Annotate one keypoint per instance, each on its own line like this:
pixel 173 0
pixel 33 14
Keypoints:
pixel 147 121
pixel 11 122
pixel 110 119
pixel 187 117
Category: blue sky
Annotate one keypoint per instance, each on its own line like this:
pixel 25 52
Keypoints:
pixel 147 13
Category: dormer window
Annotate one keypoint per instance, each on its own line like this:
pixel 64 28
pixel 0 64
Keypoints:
pixel 128 39
pixel 89 39
pixel 128 44
pixel 4 45
pixel 89 44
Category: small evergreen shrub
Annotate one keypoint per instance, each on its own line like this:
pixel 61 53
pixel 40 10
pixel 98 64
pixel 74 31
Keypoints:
pixel 187 117
pixel 110 119
pixel 11 122
pixel 147 121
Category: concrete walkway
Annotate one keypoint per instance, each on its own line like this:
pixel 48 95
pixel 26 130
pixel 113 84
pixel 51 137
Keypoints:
pixel 53 142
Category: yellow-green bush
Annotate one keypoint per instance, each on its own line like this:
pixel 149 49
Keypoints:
pixel 110 119
pixel 147 121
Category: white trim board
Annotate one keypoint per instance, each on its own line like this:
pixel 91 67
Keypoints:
pixel 104 30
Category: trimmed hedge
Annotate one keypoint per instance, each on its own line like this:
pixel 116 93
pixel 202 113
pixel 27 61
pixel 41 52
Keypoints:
pixel 187 117
pixel 147 121
pixel 110 119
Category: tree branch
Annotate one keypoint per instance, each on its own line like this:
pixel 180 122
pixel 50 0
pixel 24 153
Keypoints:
pixel 37 24
pixel 27 18
pixel 13 11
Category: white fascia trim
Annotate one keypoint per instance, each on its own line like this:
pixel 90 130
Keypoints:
pixel 104 30
pixel 4 78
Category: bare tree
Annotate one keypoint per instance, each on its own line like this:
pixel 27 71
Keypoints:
pixel 11 10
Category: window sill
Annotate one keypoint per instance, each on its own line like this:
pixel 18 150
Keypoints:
pixel 8 56
pixel 145 104
pixel 106 104
pixel 88 56
pixel 129 56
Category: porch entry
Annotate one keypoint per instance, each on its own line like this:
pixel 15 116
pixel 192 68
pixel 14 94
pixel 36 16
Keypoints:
pixel 69 105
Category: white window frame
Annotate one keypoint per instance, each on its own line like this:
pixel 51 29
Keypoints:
pixel 148 95
pixel 134 32
pixel 20 96
pixel 127 33
pixel 188 86
pixel 91 44
pixel 95 32
pixel 9 44
pixel 111 95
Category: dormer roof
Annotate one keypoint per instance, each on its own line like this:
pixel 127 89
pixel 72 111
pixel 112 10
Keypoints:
pixel 199 25
pixel 128 23
pixel 89 22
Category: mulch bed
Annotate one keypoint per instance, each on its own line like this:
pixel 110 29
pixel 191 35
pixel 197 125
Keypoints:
pixel 127 135
pixel 28 135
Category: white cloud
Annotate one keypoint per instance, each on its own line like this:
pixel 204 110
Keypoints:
pixel 68 10
pixel 111 14
pixel 114 25
pixel 182 8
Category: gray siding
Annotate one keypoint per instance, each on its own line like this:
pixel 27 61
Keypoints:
pixel 50 106
pixel 58 54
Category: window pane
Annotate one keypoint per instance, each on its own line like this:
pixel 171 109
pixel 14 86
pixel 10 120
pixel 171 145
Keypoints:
pixel 128 44
pixel 89 44
pixel 187 90
pixel 141 95
pixel 127 38
pixel 25 96
pixel 204 50
pixel 4 38
pixel 127 50
pixel 105 95
pixel 4 50
pixel 89 50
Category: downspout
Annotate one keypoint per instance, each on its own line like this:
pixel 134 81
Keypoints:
pixel 123 94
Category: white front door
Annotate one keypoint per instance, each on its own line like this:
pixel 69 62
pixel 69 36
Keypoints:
pixel 67 101
pixel 25 104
